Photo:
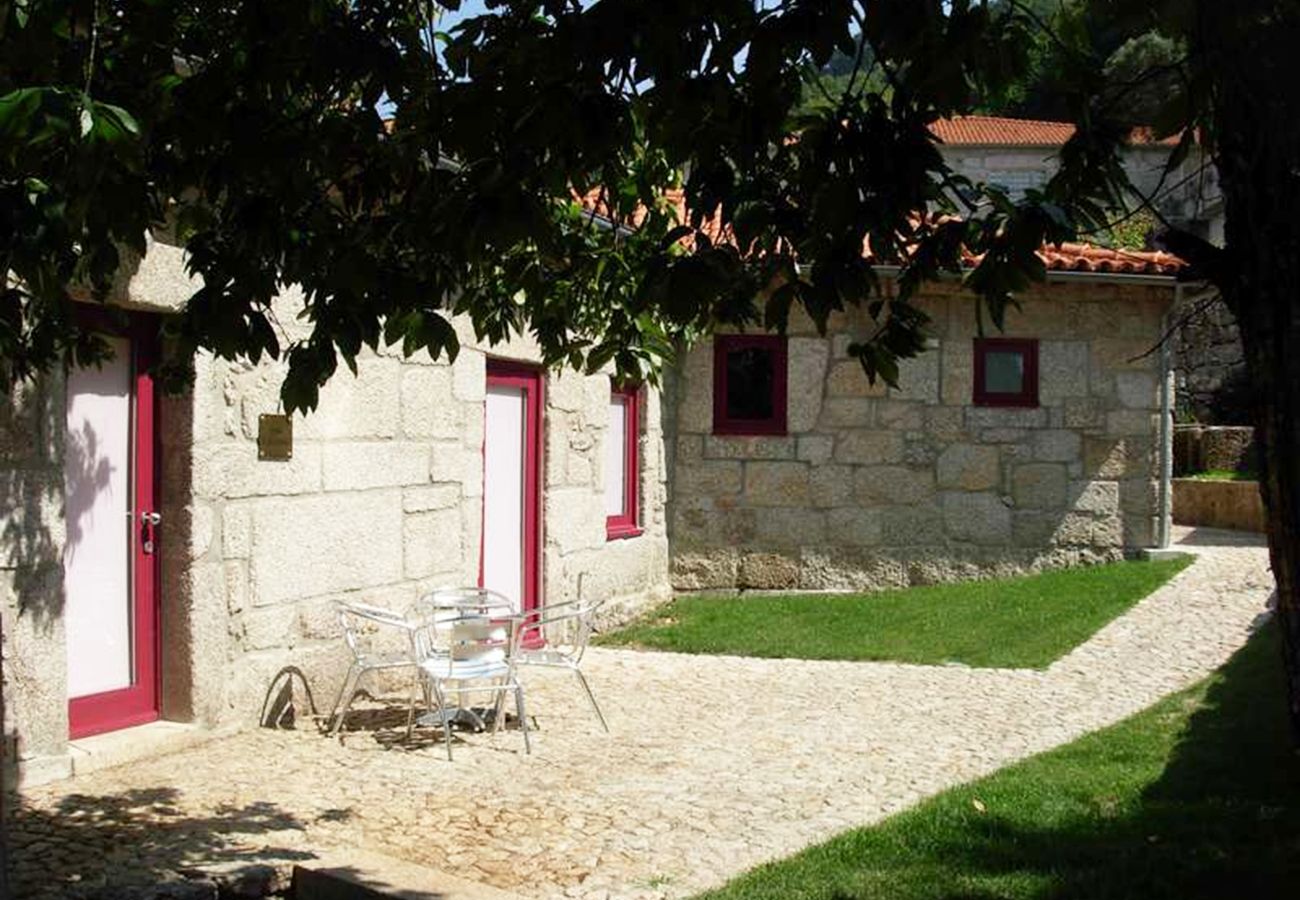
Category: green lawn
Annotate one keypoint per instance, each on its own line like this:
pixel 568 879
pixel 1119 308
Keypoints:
pixel 1223 475
pixel 1197 797
pixel 1018 622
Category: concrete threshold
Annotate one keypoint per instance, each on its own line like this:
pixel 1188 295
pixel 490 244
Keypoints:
pixel 148 741
pixel 363 875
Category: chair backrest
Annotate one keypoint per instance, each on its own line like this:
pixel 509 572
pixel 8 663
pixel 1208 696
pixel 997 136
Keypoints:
pixel 565 628
pixel 464 625
pixel 361 620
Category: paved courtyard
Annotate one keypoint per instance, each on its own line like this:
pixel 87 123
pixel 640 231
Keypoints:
pixel 714 764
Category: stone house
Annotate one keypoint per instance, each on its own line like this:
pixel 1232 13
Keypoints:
pixel 1034 448
pixel 153 567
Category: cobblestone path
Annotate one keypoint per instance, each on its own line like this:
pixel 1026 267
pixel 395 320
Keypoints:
pixel 715 764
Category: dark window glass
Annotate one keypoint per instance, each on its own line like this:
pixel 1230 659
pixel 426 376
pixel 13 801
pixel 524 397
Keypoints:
pixel 750 383
pixel 1004 372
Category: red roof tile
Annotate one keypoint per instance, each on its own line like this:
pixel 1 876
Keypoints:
pixel 1089 258
pixel 997 131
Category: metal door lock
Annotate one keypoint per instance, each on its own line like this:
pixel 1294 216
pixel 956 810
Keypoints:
pixel 148 522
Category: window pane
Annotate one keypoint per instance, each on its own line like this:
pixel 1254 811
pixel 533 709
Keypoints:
pixel 1004 372
pixel 615 457
pixel 749 383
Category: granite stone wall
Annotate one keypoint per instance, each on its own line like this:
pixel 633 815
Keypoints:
pixel 381 500
pixel 875 487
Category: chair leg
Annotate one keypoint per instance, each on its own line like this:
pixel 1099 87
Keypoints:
pixel 523 721
pixel 499 707
pixel 344 701
pixel 416 686
pixel 446 722
pixel 582 680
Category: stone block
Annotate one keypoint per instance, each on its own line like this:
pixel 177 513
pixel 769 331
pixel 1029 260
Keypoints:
pixel 748 447
pixel 850 568
pixel 1034 529
pixel 364 406
pixel 1062 371
pixel 1073 530
pixel 918 378
pixel 361 466
pixel 431 543
pixel 948 422
pixel 701 571
pixel 236 531
pixel 767 571
pixel 976 518
pixel 575 519
pixel 776 483
pixel 458 465
pixel 815 448
pixel 428 407
pixel 791 528
pixel 1108 531
pixel 853 527
pixel 235 573
pixel 968 467
pixel 981 417
pixel 233 470
pixel 847 412
pixel 806 381
pixel 885 485
pixel 694 390
pixel 958 372
pixel 1138 390
pixel 1142 495
pixel 900 415
pixel 688 448
pixel 1136 422
pixel 830 485
pixel 708 478
pixel 847 379
pixel 1096 497
pixel 1039 485
pixel 1109 458
pixel 430 497
pixel 911 526
pixel 469 377
pixel 270 628
pixel 1002 435
pixel 1086 412
pixel 353 541
pixel 1056 445
pixel 869 447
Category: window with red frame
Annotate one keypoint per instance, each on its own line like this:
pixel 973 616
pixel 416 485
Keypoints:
pixel 749 384
pixel 1006 372
pixel 622 463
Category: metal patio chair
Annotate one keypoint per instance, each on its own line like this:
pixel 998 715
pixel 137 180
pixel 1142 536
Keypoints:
pixel 359 621
pixel 468 644
pixel 556 636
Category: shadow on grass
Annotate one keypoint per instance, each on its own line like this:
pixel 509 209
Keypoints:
pixel 1197 797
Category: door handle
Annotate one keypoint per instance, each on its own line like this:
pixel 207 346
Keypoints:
pixel 150 518
pixel 148 522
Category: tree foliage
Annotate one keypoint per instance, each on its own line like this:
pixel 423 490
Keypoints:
pixel 251 131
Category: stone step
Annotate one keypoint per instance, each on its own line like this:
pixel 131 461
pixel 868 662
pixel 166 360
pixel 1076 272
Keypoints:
pixel 358 875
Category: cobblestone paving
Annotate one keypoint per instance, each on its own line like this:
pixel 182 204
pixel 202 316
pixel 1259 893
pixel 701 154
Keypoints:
pixel 715 764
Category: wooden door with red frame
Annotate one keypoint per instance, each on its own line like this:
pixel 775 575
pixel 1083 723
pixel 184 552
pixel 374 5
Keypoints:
pixel 110 560
pixel 509 558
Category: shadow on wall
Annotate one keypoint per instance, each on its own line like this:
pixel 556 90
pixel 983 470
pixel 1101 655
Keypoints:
pixel 31 497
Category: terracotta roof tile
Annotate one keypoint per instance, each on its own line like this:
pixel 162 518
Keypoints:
pixel 997 131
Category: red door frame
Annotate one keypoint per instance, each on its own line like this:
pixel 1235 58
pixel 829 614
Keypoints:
pixel 139 703
pixel 502 373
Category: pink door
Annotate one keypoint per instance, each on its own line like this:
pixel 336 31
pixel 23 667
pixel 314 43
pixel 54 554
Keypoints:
pixel 110 570
pixel 511 484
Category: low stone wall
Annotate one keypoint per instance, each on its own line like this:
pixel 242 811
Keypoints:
pixel 1219 504
pixel 1203 448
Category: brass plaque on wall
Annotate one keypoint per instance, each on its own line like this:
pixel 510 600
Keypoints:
pixel 274 436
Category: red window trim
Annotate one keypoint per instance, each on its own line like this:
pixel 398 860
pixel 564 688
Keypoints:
pixel 1028 348
pixel 776 345
pixel 627 524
